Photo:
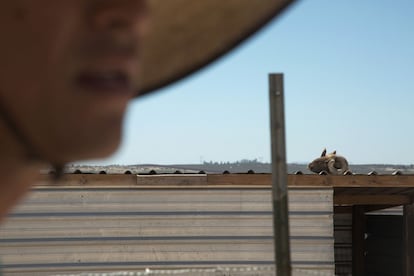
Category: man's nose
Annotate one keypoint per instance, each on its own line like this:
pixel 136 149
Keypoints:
pixel 120 15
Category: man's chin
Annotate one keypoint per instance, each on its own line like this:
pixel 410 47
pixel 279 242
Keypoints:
pixel 82 151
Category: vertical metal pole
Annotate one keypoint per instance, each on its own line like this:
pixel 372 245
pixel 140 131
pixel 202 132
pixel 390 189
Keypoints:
pixel 279 176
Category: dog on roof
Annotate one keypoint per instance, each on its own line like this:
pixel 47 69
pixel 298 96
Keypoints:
pixel 330 163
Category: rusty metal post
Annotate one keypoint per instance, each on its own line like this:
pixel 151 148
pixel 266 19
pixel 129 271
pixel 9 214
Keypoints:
pixel 279 177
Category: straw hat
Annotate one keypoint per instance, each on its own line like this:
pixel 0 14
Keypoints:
pixel 188 34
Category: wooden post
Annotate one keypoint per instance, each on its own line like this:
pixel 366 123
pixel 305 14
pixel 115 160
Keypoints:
pixel 408 240
pixel 279 177
pixel 358 240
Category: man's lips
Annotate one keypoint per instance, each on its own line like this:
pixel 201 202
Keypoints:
pixel 104 83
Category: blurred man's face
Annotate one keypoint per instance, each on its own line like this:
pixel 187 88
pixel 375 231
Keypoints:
pixel 67 71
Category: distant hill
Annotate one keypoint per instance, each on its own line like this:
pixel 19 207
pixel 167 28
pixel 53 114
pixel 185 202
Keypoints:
pixel 236 167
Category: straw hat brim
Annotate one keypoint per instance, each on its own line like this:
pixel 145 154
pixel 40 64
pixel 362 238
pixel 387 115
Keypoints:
pixel 186 35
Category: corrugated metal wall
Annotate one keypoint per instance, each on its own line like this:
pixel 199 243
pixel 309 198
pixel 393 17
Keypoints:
pixel 61 230
pixel 343 244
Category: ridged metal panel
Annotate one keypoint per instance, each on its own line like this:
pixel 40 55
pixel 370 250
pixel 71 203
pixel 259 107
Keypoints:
pixel 61 230
pixel 343 244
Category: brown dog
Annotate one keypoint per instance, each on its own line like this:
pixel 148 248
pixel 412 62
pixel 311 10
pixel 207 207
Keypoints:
pixel 329 164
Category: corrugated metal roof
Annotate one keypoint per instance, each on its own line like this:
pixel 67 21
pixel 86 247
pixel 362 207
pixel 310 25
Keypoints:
pixel 387 190
pixel 250 171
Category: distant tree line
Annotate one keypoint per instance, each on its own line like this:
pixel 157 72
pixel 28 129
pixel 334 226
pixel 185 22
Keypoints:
pixel 239 162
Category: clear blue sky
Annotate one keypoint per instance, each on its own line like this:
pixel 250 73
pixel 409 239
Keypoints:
pixel 349 84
